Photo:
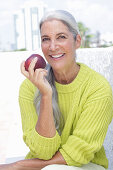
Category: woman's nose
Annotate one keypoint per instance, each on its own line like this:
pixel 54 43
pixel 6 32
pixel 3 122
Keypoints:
pixel 53 46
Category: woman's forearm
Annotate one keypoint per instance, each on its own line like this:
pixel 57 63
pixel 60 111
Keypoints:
pixel 37 163
pixel 57 159
pixel 45 125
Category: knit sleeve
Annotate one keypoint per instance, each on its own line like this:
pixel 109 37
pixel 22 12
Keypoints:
pixel 91 128
pixel 40 147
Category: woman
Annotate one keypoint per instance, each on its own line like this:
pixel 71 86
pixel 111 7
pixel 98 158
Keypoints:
pixel 66 109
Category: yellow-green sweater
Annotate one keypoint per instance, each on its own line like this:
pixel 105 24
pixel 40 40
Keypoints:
pixel 86 105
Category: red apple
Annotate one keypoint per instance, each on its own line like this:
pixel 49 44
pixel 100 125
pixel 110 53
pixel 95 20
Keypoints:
pixel 39 64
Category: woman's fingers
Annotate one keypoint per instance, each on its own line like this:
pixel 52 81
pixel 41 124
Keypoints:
pixel 31 67
pixel 37 77
pixel 41 82
pixel 23 71
pixel 39 74
pixel 29 74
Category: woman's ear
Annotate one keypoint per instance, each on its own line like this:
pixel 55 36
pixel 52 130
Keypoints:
pixel 78 41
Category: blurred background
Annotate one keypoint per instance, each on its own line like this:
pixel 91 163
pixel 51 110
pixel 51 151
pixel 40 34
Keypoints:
pixel 20 37
pixel 19 21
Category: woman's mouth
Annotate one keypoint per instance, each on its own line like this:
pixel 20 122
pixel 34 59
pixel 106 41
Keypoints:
pixel 57 56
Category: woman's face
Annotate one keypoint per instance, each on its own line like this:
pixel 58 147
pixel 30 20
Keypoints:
pixel 58 44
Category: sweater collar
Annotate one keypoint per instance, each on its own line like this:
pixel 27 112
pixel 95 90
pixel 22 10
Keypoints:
pixel 82 74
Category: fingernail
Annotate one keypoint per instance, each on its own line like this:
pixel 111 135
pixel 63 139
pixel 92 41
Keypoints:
pixel 35 59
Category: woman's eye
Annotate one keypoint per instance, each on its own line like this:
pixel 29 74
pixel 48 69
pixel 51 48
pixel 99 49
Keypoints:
pixel 61 37
pixel 45 39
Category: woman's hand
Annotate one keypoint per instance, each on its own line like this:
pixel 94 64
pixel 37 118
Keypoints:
pixel 11 166
pixel 34 164
pixel 37 77
pixel 19 166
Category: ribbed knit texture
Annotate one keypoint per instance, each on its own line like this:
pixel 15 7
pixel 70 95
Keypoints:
pixel 87 107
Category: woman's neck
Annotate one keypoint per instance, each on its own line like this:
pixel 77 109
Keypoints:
pixel 67 76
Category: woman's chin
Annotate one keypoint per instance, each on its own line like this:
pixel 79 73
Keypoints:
pixel 57 67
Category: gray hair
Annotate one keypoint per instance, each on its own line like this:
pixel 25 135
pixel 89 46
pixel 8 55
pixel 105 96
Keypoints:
pixel 58 117
pixel 70 22
pixel 64 17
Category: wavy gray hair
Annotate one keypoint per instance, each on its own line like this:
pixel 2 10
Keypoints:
pixel 71 24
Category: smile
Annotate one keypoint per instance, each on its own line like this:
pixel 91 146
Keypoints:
pixel 57 56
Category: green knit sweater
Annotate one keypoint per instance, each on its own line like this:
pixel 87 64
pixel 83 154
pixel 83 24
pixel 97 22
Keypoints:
pixel 86 105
